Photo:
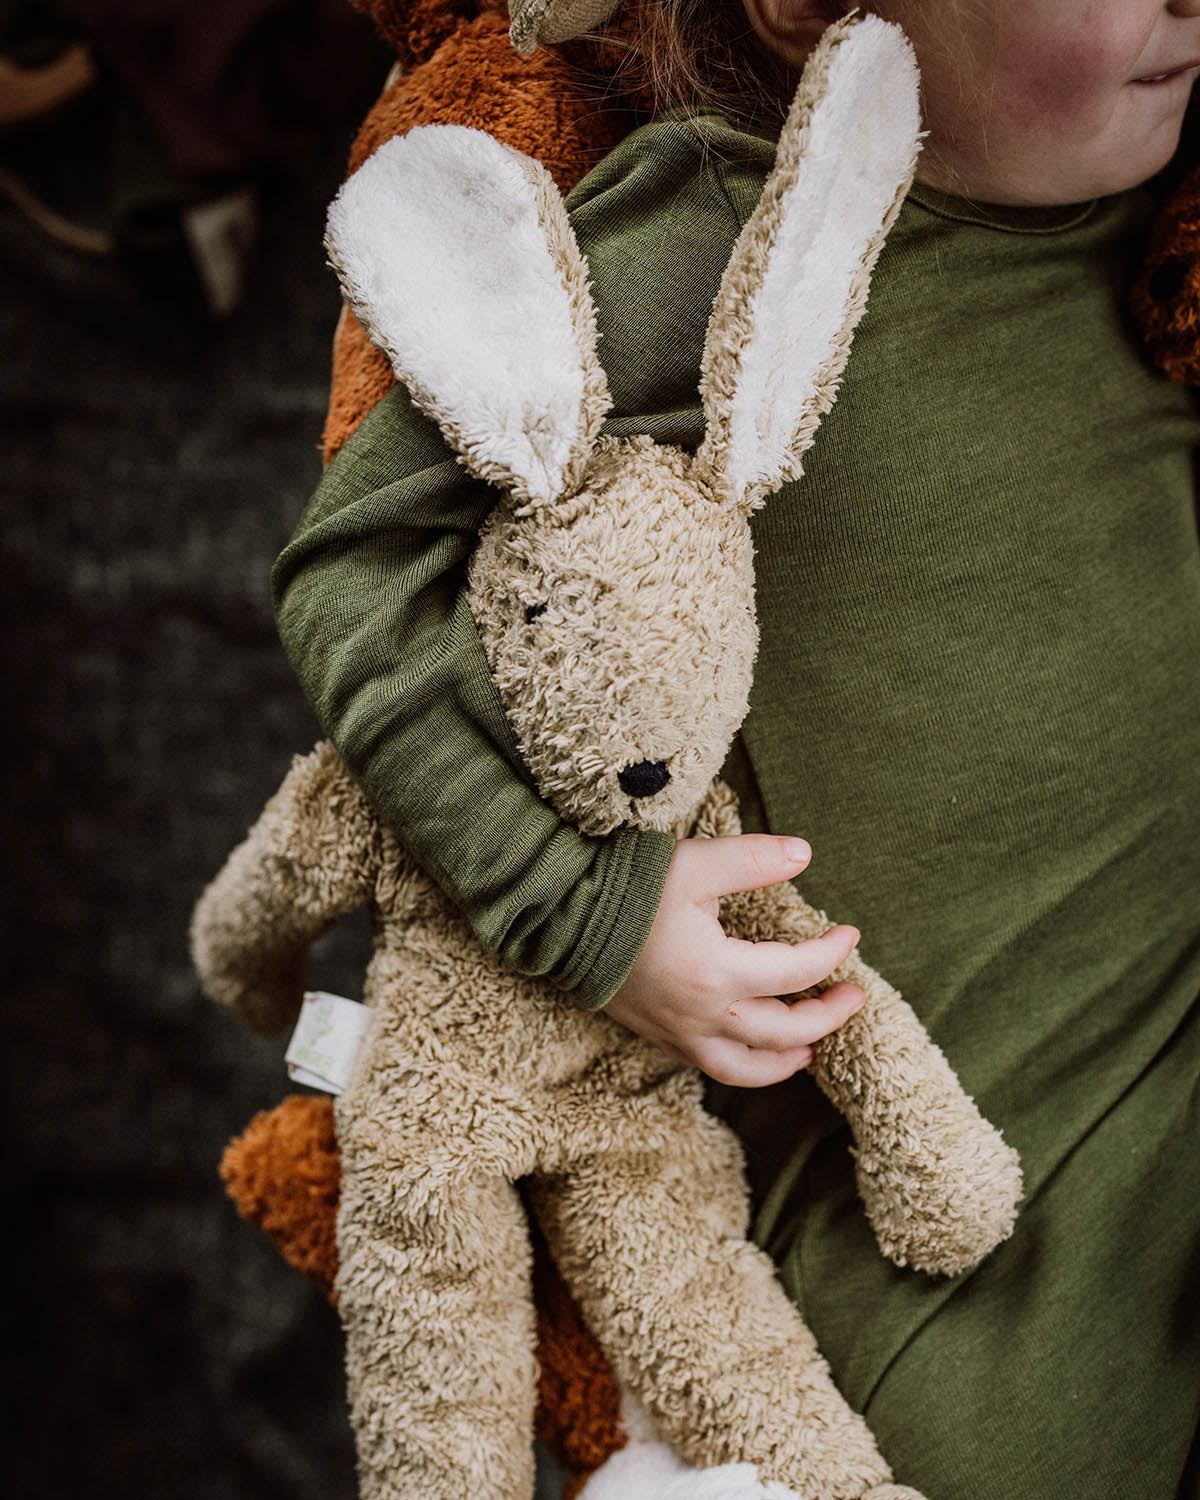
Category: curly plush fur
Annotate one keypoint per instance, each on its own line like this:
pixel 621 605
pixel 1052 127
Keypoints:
pixel 470 1079
pixel 284 1173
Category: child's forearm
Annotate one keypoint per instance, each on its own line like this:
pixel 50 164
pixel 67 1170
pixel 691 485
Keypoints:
pixel 371 607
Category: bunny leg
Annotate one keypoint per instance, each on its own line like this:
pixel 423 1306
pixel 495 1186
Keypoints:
pixel 433 1292
pixel 649 1230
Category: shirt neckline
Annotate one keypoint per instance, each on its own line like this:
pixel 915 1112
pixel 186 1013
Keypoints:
pixel 1007 218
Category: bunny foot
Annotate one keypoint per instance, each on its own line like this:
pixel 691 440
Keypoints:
pixel 653 1471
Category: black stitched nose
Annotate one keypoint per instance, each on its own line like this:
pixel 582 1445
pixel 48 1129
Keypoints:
pixel 644 779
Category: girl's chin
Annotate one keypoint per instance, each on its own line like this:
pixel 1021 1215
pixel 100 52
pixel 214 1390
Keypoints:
pixel 1054 184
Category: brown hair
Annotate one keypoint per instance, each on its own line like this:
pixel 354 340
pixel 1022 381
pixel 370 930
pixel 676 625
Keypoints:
pixel 705 54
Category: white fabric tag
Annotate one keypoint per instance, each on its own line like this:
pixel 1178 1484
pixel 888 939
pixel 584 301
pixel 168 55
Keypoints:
pixel 326 1040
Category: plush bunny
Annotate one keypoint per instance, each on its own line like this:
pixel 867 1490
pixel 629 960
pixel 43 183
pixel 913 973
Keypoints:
pixel 613 592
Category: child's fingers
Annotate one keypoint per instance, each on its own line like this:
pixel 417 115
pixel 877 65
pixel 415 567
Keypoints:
pixel 817 1017
pixel 743 1067
pixel 742 862
pixel 769 1024
pixel 784 968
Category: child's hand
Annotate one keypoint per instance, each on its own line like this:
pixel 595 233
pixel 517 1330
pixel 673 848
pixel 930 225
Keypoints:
pixel 710 1000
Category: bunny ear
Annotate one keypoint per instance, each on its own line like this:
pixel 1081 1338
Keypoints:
pixel 797 282
pixel 457 255
pixel 543 22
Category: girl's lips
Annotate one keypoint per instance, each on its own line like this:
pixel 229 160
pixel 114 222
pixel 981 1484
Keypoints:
pixel 1169 73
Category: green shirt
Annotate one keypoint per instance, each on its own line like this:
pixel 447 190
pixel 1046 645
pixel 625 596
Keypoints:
pixel 978 695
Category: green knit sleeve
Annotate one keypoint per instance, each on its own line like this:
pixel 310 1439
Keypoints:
pixel 371 600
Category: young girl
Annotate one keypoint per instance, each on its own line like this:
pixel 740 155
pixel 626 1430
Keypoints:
pixel 978 694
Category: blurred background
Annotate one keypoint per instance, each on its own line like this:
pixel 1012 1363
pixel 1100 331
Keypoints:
pixel 165 321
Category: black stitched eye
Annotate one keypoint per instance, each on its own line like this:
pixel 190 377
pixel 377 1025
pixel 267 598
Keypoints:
pixel 532 611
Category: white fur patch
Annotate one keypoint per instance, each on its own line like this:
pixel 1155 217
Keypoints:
pixel 649 1469
pixel 861 142
pixel 438 243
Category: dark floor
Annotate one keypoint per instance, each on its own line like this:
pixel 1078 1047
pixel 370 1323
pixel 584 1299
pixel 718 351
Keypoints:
pixel 155 463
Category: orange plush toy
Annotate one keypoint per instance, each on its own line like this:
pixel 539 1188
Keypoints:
pixel 1166 294
pixel 566 107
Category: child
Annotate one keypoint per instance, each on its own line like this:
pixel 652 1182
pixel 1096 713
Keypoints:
pixel 977 694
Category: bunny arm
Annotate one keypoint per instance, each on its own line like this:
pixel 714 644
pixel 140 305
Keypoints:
pixel 312 856
pixel 939 1184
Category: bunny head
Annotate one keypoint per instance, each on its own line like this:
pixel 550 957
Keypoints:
pixel 619 624
pixel 613 585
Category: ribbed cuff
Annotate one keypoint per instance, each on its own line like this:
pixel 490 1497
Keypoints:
pixel 617 934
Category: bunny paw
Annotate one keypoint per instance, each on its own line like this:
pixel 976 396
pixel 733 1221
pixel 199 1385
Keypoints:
pixel 943 1214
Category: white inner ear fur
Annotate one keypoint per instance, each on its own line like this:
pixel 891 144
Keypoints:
pixel 439 245
pixel 858 158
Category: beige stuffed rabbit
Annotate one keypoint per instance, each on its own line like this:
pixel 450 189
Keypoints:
pixel 613 591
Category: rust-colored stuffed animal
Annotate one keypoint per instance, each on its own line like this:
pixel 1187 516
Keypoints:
pixel 1166 294
pixel 456 66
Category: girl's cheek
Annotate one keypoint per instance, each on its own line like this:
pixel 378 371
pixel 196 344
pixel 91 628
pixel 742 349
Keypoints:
pixel 1065 82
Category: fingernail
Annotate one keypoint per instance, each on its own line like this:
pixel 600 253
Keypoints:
pixel 797 850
